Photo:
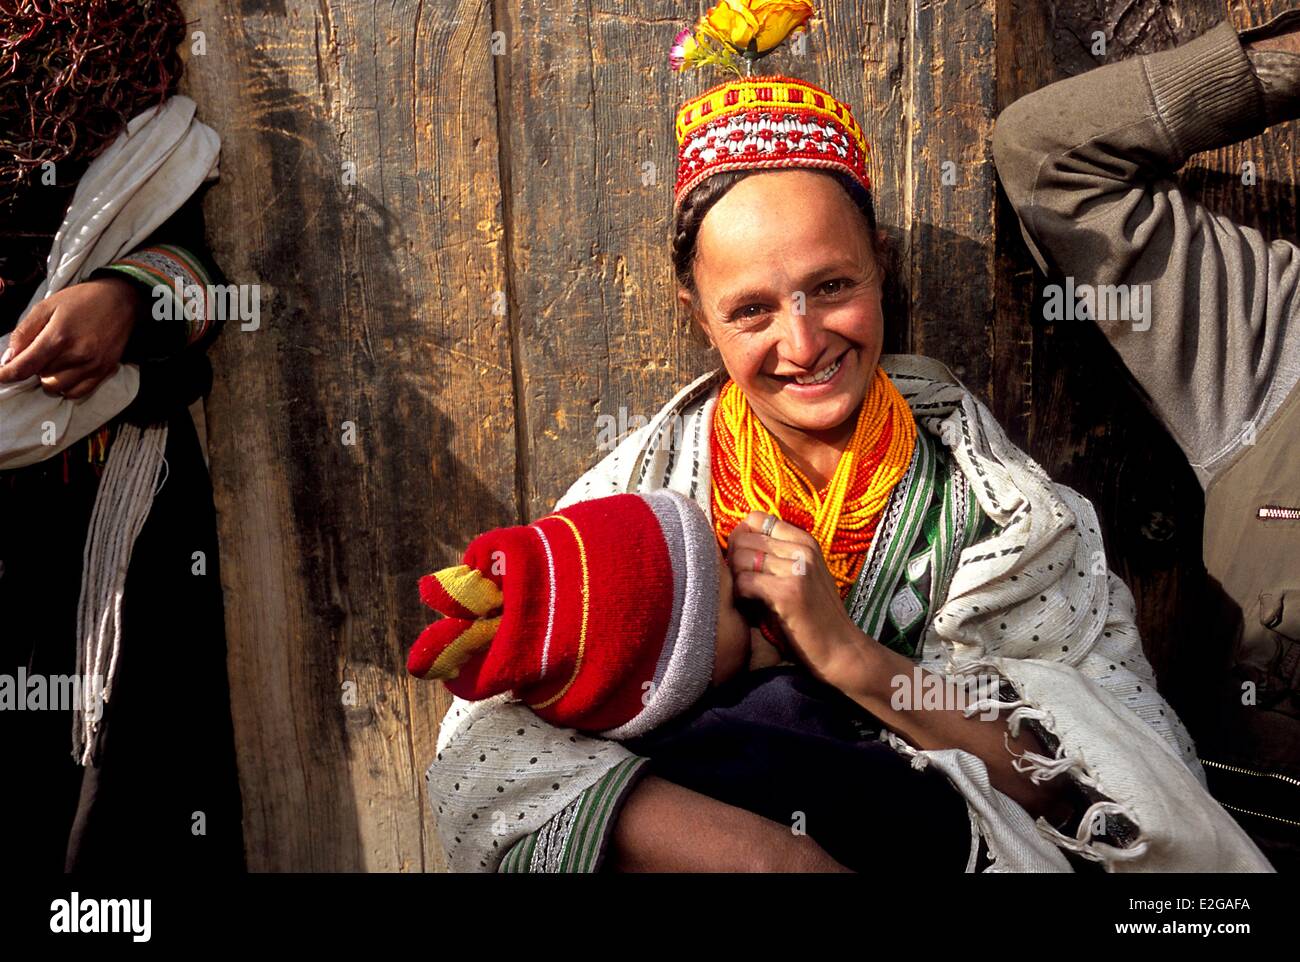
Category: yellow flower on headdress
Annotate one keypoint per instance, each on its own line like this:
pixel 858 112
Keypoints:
pixel 756 26
pixel 739 28
pixel 732 22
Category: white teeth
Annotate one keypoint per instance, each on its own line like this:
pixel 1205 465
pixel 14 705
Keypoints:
pixel 823 375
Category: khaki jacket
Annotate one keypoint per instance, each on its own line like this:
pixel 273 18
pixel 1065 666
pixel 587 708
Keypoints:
pixel 1089 165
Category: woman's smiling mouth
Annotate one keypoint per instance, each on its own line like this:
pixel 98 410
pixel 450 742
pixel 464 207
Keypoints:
pixel 817 380
pixel 825 374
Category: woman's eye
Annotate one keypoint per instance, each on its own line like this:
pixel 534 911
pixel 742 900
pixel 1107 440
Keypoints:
pixel 751 311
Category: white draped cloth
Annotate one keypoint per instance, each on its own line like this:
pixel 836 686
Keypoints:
pixel 126 193
pixel 1035 604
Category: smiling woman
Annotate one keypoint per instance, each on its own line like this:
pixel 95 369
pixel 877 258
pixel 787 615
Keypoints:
pixel 912 537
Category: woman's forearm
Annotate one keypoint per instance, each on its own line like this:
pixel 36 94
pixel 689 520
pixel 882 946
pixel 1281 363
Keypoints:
pixel 872 676
pixel 664 827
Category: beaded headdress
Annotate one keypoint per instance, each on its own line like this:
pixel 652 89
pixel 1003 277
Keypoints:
pixel 759 122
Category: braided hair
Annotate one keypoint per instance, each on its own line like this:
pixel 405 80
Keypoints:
pixel 696 204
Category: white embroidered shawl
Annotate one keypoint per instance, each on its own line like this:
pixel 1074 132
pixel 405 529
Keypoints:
pixel 154 166
pixel 1070 649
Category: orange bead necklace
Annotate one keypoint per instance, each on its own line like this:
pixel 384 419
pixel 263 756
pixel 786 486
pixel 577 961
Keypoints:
pixel 751 473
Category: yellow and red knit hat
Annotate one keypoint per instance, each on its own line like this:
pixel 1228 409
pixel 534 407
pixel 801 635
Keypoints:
pixel 600 616
pixel 767 122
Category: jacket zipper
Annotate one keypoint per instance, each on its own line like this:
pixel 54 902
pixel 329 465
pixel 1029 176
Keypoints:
pixel 1247 771
pixel 1276 512
pixel 1271 818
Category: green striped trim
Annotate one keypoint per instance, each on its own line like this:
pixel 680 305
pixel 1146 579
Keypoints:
pixel 945 537
pixel 954 525
pixel 871 600
pixel 520 854
pixel 884 532
pixel 157 267
pixel 960 527
pixel 588 838
pixel 586 846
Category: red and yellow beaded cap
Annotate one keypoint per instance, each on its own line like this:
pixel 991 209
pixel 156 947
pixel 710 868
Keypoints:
pixel 759 122
pixel 767 122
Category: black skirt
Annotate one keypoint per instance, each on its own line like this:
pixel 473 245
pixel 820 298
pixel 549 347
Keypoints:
pixel 786 746
pixel 164 794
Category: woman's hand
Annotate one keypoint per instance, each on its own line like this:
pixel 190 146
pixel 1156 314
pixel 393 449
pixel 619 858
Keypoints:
pixel 74 338
pixel 798 589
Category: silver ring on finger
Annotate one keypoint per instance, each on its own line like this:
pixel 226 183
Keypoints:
pixel 768 524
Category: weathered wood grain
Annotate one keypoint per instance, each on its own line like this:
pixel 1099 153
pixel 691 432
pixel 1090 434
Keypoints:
pixel 377 313
pixel 953 97
pixel 589 170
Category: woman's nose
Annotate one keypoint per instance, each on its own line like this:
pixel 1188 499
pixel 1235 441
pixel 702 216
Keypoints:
pixel 803 340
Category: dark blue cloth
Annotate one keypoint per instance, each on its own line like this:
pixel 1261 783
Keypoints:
pixel 777 741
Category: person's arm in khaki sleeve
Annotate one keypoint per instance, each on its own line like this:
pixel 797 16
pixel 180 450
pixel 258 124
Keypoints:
pixel 1211 329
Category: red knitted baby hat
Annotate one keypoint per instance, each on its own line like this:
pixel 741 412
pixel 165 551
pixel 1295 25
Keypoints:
pixel 600 616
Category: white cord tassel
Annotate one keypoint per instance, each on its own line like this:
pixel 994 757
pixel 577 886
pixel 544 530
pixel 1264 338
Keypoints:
pixel 1084 844
pixel 122 503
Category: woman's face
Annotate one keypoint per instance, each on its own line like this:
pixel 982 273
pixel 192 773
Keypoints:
pixel 789 289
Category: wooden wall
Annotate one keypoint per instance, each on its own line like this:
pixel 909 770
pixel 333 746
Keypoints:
pixel 463 261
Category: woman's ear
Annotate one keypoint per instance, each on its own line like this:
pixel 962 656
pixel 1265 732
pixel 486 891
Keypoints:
pixel 881 252
pixel 686 302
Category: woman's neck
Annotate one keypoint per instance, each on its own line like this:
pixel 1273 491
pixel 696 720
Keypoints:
pixel 815 453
